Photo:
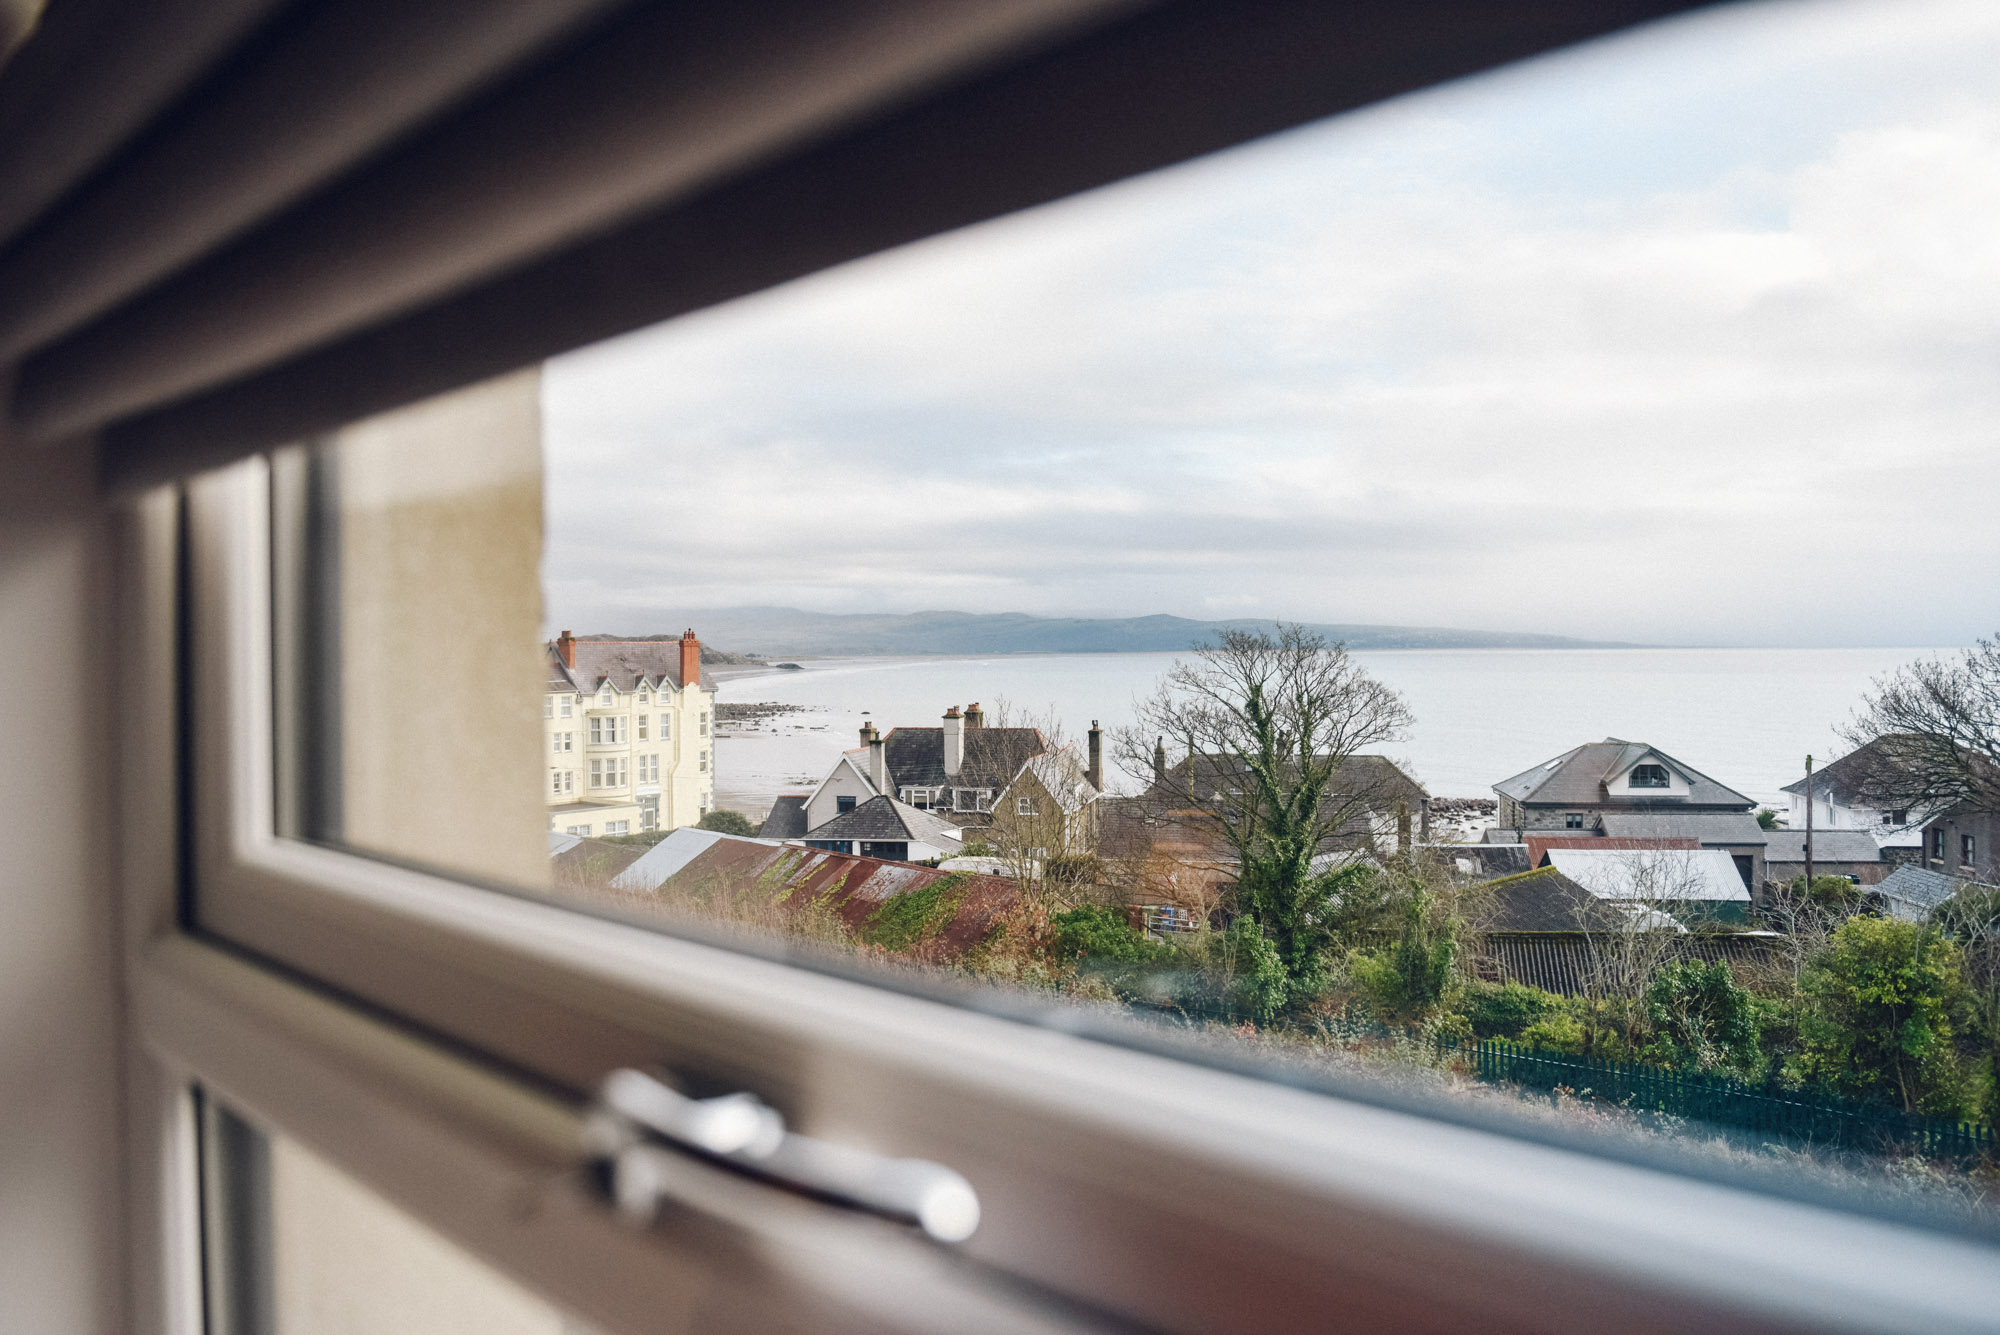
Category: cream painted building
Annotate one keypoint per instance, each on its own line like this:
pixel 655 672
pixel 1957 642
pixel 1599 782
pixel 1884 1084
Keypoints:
pixel 628 732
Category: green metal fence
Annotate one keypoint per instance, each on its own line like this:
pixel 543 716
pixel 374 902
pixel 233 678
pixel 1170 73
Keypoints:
pixel 1725 1101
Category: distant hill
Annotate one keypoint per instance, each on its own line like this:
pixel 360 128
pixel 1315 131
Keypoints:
pixel 769 631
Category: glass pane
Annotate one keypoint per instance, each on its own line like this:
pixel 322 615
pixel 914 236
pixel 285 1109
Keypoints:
pixel 298 1248
pixel 1552 466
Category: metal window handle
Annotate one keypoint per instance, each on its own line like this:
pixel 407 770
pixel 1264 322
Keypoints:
pixel 637 1113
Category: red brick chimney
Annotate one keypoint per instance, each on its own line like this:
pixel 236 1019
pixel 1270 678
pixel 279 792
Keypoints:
pixel 566 646
pixel 690 659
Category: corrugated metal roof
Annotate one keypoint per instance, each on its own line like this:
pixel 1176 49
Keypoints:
pixel 671 854
pixel 1561 961
pixel 789 879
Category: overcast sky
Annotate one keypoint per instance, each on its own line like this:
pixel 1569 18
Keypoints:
pixel 1690 336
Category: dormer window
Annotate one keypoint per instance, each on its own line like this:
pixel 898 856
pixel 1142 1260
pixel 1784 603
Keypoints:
pixel 604 696
pixel 1649 776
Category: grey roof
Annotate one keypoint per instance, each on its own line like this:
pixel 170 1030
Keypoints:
pixel 1543 901
pixel 1914 893
pixel 1649 874
pixel 1484 859
pixel 1843 778
pixel 1710 827
pixel 993 756
pixel 1577 778
pixel 884 818
pixel 1828 846
pixel 623 663
pixel 787 818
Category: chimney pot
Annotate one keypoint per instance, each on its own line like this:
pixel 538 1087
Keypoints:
pixel 690 660
pixel 878 762
pixel 954 741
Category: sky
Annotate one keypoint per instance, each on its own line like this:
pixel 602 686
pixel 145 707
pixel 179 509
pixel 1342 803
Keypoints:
pixel 1686 336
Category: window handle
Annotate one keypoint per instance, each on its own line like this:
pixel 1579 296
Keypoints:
pixel 637 1114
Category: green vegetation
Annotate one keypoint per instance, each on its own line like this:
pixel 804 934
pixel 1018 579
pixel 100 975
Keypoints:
pixel 1099 933
pixel 916 916
pixel 1767 819
pixel 727 822
pixel 1878 1022
pixel 1702 1019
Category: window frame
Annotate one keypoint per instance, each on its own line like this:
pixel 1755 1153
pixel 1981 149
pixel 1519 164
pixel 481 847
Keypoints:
pixel 374 1011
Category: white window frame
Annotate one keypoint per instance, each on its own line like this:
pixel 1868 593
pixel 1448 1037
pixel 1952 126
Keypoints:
pixel 1128 1178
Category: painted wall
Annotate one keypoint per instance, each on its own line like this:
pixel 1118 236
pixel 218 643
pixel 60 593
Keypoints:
pixel 61 1215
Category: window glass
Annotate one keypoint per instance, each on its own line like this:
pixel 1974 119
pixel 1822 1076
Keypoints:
pixel 1213 541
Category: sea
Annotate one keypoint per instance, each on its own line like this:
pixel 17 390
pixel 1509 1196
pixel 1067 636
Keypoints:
pixel 1745 717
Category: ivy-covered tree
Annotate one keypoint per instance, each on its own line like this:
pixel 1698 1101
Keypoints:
pixel 1877 1023
pixel 1702 1019
pixel 1265 727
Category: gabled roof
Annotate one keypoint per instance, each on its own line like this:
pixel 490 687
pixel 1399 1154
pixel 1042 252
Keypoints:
pixel 787 818
pixel 1062 776
pixel 1843 778
pixel 623 663
pixel 993 756
pixel 1828 846
pixel 856 763
pixel 884 818
pixel 1650 874
pixel 1578 778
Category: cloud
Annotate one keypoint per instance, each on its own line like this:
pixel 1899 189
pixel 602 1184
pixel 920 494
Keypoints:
pixel 1436 362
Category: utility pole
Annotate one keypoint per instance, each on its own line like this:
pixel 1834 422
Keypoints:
pixel 1809 826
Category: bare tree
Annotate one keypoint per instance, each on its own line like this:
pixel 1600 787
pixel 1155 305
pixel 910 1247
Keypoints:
pixel 1043 828
pixel 1264 725
pixel 1936 728
pixel 1629 938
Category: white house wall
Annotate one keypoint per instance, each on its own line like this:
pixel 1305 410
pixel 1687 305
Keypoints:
pixel 844 781
pixel 686 786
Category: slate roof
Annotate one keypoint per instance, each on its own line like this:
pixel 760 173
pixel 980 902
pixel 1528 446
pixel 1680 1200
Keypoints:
pixel 1706 827
pixel 623 663
pixel 1543 901
pixel 993 756
pixel 1914 893
pixel 884 818
pixel 787 818
pixel 1484 859
pixel 1828 846
pixel 1577 778
pixel 1843 778
pixel 1673 873
pixel 1377 778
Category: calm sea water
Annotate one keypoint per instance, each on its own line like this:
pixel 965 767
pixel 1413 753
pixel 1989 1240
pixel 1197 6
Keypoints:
pixel 1746 717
